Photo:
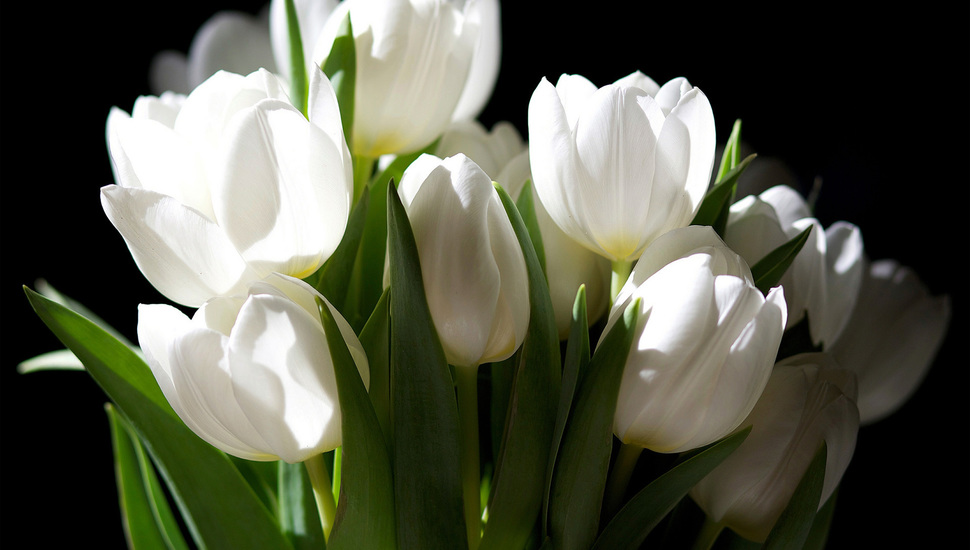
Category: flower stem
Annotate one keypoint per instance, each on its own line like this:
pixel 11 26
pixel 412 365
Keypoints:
pixel 363 169
pixel 322 492
pixel 621 272
pixel 626 461
pixel 467 381
pixel 337 465
pixel 708 535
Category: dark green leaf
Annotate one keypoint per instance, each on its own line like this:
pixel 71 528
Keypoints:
pixel 365 508
pixel 298 78
pixel 519 480
pixel 732 152
pixel 334 277
pixel 341 68
pixel 424 411
pixel 213 497
pixel 631 525
pixel 574 366
pixel 147 518
pixel 579 478
pixel 717 203
pixel 527 209
pixel 298 514
pixel 795 523
pixel 767 272
pixel 375 338
pixel 820 527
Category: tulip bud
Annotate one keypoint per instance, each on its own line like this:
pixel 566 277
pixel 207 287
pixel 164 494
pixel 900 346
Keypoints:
pixel 823 281
pixel 474 272
pixel 252 374
pixel 228 185
pixel 891 338
pixel 809 399
pixel 503 155
pixel 618 166
pixel 705 342
pixel 413 59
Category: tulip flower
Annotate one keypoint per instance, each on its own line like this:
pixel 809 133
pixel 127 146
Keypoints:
pixel 230 41
pixel 893 335
pixel 704 344
pixel 252 374
pixel 229 184
pixel 809 399
pixel 483 72
pixel 503 155
pixel 618 166
pixel 413 59
pixel 823 281
pixel 474 272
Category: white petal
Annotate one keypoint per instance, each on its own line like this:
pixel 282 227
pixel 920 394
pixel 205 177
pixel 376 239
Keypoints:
pixel 232 41
pixel 187 257
pixel 483 72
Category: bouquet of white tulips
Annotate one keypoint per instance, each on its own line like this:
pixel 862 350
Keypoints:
pixel 393 328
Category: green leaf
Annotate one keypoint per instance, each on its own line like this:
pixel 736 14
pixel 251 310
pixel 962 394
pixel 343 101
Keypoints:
pixel 375 338
pixel 519 480
pixel 767 272
pixel 527 209
pixel 298 77
pixel 579 478
pixel 334 277
pixel 298 514
pixel 716 205
pixel 147 518
pixel 795 523
pixel 574 366
pixel 424 410
pixel 631 525
pixel 732 152
pixel 819 534
pixel 63 359
pixel 212 495
pixel 365 508
pixel 341 68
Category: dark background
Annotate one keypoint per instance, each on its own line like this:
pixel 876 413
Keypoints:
pixel 873 103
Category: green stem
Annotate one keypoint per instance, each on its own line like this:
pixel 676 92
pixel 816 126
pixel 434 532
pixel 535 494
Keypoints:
pixel 467 381
pixel 322 492
pixel 708 535
pixel 337 466
pixel 620 475
pixel 363 169
pixel 621 272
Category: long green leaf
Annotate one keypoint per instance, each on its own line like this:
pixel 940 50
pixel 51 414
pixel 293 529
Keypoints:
pixel 424 410
pixel 579 478
pixel 793 527
pixel 298 78
pixel 365 508
pixel 147 518
pixel 732 152
pixel 375 338
pixel 820 527
pixel 574 366
pixel 717 203
pixel 217 504
pixel 334 277
pixel 526 207
pixel 519 486
pixel 631 525
pixel 341 68
pixel 767 272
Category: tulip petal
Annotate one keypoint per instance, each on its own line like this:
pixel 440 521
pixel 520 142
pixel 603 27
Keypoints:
pixel 845 265
pixel 186 256
pixel 232 41
pixel 283 377
pixel 283 198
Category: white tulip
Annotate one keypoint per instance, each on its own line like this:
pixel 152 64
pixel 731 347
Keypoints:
pixel 230 41
pixel 483 72
pixel 413 59
pixel 474 272
pixel 252 374
pixel 823 281
pixel 809 399
pixel 892 337
pixel 704 344
pixel 618 166
pixel 228 185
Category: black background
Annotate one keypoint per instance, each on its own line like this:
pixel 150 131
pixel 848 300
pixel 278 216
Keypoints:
pixel 873 103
